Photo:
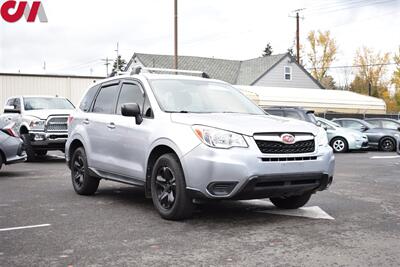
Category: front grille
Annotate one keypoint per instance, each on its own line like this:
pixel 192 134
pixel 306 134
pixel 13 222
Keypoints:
pixel 274 147
pixel 288 159
pixel 57 124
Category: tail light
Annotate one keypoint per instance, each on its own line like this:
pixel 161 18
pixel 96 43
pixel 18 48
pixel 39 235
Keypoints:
pixel 9 131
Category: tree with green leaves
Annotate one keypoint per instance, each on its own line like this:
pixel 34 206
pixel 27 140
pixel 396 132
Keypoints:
pixel 267 51
pixel 118 65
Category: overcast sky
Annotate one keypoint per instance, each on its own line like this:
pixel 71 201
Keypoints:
pixel 81 33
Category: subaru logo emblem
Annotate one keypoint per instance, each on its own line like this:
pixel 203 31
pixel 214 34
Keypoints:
pixel 288 139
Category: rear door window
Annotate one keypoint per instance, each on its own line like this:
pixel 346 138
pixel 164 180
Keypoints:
pixel 390 125
pixel 107 99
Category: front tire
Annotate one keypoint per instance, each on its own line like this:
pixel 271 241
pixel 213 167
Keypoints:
pixel 83 183
pixel 293 202
pixel 168 189
pixel 339 145
pixel 30 152
pixel 387 145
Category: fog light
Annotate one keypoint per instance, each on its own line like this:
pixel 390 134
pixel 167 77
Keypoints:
pixel 39 137
pixel 221 188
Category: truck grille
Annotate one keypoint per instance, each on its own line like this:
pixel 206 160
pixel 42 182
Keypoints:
pixel 57 124
pixel 273 147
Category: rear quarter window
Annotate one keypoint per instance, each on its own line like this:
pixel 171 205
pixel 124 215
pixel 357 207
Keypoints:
pixel 88 98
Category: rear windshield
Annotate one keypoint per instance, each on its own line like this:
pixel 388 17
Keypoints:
pixel 36 103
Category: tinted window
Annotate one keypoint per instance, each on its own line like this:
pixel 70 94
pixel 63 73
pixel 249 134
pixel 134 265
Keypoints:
pixel 275 112
pixel 352 125
pixel 293 114
pixel 88 99
pixel 375 123
pixel 390 125
pixel 106 100
pixel 130 93
pixel 17 103
pixel 10 102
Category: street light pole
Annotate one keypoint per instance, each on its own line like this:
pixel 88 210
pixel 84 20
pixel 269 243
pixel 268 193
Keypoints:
pixel 175 34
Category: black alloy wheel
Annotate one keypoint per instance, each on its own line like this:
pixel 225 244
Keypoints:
pixel 83 183
pixel 387 145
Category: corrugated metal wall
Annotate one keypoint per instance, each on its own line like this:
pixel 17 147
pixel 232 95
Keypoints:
pixel 71 87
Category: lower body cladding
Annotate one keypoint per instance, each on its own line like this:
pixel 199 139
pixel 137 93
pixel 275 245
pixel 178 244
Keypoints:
pixel 240 173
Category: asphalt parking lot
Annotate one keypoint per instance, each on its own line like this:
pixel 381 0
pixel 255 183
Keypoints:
pixel 118 227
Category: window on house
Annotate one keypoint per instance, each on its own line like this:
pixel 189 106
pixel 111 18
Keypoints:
pixel 288 73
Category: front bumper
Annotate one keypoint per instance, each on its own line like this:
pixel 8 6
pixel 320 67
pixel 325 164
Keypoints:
pixel 246 173
pixel 359 144
pixel 48 141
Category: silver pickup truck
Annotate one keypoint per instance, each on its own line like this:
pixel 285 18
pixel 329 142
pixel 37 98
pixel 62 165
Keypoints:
pixel 41 121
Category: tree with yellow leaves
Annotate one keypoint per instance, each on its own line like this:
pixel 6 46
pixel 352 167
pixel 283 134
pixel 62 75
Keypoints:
pixel 396 78
pixel 323 50
pixel 371 71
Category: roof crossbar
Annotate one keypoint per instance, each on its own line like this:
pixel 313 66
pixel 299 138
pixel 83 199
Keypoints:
pixel 137 70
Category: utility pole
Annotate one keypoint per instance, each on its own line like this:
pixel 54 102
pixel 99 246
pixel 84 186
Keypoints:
pixel 297 32
pixel 117 56
pixel 175 34
pixel 298 36
pixel 107 63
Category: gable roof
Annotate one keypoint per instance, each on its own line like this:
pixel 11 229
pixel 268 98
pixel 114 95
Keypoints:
pixel 245 72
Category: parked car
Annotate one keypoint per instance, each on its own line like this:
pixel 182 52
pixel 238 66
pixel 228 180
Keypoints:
pixel 174 136
pixel 343 139
pixel 41 120
pixel 384 123
pixel 293 112
pixel 11 146
pixel 379 138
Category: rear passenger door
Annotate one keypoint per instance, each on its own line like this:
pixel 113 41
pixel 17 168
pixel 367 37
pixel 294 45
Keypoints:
pixel 100 128
pixel 133 140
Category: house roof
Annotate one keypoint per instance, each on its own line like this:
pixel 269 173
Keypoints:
pixel 231 71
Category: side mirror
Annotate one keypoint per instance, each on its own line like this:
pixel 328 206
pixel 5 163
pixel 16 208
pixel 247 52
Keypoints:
pixel 11 109
pixel 132 110
pixel 364 128
pixel 398 129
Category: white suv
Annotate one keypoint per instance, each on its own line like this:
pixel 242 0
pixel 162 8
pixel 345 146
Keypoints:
pixel 184 138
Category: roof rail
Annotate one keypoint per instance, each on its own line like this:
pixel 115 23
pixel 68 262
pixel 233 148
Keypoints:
pixel 139 69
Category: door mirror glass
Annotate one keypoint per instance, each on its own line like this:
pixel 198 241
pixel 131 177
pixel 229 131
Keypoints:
pixel 11 109
pixel 132 110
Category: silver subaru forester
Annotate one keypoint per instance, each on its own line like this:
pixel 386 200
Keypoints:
pixel 185 138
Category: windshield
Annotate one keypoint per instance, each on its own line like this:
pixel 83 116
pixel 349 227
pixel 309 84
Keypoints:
pixel 36 103
pixel 311 117
pixel 329 123
pixel 188 96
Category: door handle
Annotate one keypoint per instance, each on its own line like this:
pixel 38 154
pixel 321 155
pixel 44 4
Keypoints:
pixel 86 121
pixel 111 125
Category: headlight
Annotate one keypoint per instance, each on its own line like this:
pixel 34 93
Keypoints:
pixel 218 138
pixel 397 135
pixel 322 138
pixel 37 125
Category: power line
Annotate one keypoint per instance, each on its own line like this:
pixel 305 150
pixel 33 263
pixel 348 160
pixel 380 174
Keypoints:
pixel 353 66
pixel 342 8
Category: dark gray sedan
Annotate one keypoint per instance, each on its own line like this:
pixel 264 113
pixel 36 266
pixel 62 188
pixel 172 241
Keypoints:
pixel 379 138
pixel 11 146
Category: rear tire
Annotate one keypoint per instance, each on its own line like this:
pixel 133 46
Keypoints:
pixel 1 161
pixel 387 144
pixel 293 202
pixel 168 189
pixel 339 145
pixel 30 153
pixel 83 183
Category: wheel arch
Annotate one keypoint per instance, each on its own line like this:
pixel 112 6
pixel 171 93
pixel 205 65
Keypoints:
pixel 75 144
pixel 155 153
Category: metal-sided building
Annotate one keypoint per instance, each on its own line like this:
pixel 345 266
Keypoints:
pixel 69 86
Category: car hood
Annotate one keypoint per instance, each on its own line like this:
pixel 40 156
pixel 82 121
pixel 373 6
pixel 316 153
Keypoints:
pixel 246 124
pixel 43 114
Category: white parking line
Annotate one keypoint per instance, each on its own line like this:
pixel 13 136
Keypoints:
pixel 57 156
pixel 307 212
pixel 24 227
pixel 385 157
pixel 314 212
